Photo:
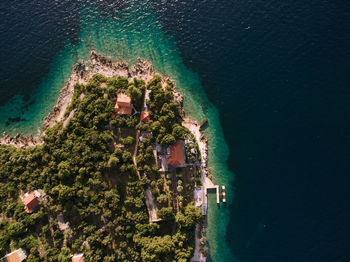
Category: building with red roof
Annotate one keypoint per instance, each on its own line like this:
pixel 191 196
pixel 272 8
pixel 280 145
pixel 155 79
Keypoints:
pixel 123 106
pixel 15 256
pixel 145 117
pixel 78 258
pixel 176 155
pixel 31 200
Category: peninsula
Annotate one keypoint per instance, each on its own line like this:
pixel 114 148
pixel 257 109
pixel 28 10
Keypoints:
pixel 117 174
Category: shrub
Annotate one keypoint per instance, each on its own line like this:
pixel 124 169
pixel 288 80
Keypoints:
pixel 128 141
pixel 162 199
pixel 113 162
pixel 166 213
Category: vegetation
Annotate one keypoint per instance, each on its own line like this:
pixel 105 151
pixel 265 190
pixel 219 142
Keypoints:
pixel 88 174
pixel 164 112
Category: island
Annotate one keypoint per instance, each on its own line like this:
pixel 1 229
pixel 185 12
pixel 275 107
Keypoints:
pixel 117 174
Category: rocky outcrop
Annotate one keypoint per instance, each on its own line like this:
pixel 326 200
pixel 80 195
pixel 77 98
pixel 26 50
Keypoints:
pixel 101 65
pixel 82 72
pixel 142 70
pixel 65 97
pixel 19 140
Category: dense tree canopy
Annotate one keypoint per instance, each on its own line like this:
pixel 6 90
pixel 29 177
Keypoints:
pixel 87 172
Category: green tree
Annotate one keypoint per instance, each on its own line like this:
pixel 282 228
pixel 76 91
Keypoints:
pixel 178 131
pixel 64 255
pixel 157 248
pixel 190 216
pixel 166 213
pixel 113 162
pixel 168 140
pixel 128 141
pixel 162 199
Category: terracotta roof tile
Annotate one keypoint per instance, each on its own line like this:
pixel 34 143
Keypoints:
pixel 177 156
pixel 12 258
pixel 123 106
pixel 15 256
pixel 123 99
pixel 145 116
pixel 31 201
pixel 123 110
pixel 78 258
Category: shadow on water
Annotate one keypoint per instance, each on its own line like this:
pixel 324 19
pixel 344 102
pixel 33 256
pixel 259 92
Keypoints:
pixel 204 124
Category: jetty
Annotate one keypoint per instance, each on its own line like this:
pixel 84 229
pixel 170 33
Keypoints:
pixel 223 194
pixel 203 123
pixel 201 194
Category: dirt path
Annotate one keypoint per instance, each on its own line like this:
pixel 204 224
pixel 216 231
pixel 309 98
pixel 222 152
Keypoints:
pixel 151 205
pixel 135 152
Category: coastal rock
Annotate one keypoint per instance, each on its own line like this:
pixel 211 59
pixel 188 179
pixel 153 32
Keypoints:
pixel 178 97
pixel 104 66
pixel 82 73
pixel 143 70
pixel 20 141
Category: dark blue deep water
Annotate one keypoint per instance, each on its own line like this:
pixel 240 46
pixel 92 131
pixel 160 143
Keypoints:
pixel 279 74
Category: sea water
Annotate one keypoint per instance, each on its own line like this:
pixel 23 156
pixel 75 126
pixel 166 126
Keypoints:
pixel 277 73
pixel 126 35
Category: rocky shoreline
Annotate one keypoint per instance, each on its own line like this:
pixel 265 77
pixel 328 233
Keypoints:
pixel 81 73
pixel 20 141
pixel 99 64
pixel 194 127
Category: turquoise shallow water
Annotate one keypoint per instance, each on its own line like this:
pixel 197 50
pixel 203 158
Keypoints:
pixel 134 32
pixel 277 73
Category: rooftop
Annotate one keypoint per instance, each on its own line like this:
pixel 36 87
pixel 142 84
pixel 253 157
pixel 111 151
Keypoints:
pixel 177 154
pixel 78 258
pixel 15 256
pixel 123 106
pixel 123 110
pixel 31 201
pixel 123 98
pixel 145 116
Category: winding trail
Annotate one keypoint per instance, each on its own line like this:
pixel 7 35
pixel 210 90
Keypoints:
pixel 151 205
